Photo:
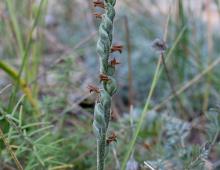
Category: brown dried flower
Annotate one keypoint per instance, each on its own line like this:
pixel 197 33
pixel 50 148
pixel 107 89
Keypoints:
pixel 112 138
pixel 98 15
pixel 99 4
pixel 103 77
pixel 116 48
pixel 93 89
pixel 114 62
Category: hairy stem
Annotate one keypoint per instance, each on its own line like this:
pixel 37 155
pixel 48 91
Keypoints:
pixel 101 152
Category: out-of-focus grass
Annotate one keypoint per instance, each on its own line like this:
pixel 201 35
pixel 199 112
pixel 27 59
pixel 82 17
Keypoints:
pixel 51 45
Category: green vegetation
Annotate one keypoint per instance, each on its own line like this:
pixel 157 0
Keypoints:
pixel 62 61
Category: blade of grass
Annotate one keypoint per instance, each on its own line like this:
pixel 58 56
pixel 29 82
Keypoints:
pixel 157 74
pixel 11 116
pixel 18 164
pixel 2 90
pixel 25 58
pixel 142 116
pixel 15 26
pixel 23 85
pixel 42 137
pixel 170 52
pixel 37 46
pixel 68 166
pixel 210 47
pixel 20 116
pixel 34 124
pixel 40 130
pixel 189 83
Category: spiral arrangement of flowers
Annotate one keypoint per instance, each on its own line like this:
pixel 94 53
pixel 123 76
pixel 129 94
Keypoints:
pixel 102 109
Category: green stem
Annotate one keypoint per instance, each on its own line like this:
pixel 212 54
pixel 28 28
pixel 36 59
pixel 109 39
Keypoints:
pixel 143 114
pixel 15 25
pixel 101 152
pixel 21 82
pixel 157 74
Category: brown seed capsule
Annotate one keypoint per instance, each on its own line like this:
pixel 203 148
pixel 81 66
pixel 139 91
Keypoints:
pixel 93 89
pixel 116 48
pixel 112 138
pixel 114 62
pixel 103 77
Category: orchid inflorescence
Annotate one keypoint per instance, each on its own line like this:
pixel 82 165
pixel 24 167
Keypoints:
pixel 102 110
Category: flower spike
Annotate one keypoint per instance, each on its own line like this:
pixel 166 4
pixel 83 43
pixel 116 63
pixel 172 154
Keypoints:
pixel 102 110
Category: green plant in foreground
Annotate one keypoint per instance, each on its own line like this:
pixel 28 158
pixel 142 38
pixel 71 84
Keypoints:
pixel 22 83
pixel 103 105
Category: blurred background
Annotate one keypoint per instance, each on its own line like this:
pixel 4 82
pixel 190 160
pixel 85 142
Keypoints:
pixel 48 58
